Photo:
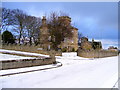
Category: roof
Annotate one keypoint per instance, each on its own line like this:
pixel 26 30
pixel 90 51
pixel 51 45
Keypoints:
pixel 74 28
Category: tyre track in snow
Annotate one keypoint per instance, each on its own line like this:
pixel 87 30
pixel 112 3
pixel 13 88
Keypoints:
pixel 114 86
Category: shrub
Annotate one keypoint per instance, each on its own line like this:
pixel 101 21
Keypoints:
pixel 73 49
pixel 64 49
pixel 8 37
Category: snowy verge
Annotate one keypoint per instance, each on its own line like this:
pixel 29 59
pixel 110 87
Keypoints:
pixel 21 53
pixel 28 69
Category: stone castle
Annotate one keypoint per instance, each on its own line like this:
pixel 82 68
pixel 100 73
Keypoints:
pixel 69 44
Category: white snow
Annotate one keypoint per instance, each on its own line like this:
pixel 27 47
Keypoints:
pixel 76 72
pixel 5 57
pixel 19 70
pixel 22 53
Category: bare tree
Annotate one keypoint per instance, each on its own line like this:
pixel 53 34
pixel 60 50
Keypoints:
pixel 6 18
pixel 32 27
pixel 22 24
pixel 60 28
pixel 19 22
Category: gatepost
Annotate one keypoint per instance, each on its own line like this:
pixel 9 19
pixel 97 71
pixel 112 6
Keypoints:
pixel 52 56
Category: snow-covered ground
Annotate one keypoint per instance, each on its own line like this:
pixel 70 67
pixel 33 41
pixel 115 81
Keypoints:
pixel 4 57
pixel 21 53
pixel 76 72
pixel 28 69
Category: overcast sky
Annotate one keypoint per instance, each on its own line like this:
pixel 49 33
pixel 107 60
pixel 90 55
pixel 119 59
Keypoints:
pixel 97 20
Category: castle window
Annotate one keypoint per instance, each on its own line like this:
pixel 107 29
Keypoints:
pixel 72 41
pixel 65 40
pixel 72 31
pixel 49 39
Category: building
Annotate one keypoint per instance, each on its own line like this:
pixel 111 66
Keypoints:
pixel 112 48
pixel 69 44
pixel 90 45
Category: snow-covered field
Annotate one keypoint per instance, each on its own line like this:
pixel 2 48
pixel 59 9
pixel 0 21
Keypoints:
pixel 21 53
pixel 76 72
pixel 4 57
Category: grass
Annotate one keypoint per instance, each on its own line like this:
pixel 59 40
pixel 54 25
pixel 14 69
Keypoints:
pixel 27 48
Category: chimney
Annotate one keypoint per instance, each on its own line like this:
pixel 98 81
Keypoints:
pixel 44 21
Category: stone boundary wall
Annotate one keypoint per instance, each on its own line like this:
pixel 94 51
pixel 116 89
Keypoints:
pixel 96 53
pixel 12 64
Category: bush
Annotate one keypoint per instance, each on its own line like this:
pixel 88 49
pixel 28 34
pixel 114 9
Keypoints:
pixel 8 37
pixel 73 49
pixel 64 49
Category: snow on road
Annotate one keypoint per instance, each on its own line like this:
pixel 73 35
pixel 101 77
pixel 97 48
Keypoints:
pixel 76 72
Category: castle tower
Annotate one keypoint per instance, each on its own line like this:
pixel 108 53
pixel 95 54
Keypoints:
pixel 44 33
pixel 65 19
pixel 84 39
pixel 70 43
pixel 75 38
pixel 75 35
pixel 44 21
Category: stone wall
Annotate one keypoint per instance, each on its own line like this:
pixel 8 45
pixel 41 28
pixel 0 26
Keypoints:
pixel 96 53
pixel 11 64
